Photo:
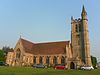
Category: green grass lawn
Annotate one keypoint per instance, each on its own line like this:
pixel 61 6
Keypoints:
pixel 49 71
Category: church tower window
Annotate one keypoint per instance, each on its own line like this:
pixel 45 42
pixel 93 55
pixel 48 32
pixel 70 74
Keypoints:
pixel 79 27
pixel 76 28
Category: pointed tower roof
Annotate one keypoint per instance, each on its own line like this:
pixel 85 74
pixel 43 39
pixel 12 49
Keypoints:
pixel 83 10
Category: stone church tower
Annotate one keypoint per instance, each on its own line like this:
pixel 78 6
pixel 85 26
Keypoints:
pixel 80 40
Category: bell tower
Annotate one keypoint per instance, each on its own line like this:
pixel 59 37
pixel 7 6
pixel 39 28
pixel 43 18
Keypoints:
pixel 76 41
pixel 80 40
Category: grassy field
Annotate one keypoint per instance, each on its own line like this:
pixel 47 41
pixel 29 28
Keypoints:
pixel 49 71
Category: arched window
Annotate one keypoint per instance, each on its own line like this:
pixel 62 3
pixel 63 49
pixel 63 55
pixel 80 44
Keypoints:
pixel 18 53
pixel 40 60
pixel 34 60
pixel 79 27
pixel 55 60
pixel 76 28
pixel 62 60
pixel 27 59
pixel 47 60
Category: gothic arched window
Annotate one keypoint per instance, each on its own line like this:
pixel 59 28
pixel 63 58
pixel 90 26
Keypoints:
pixel 63 60
pixel 79 27
pixel 47 60
pixel 76 28
pixel 40 60
pixel 55 60
pixel 18 54
pixel 34 60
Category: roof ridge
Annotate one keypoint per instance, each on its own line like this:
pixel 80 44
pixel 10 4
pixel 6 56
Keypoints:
pixel 51 42
pixel 26 40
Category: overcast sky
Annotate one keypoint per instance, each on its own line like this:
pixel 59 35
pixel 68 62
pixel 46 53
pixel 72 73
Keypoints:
pixel 46 21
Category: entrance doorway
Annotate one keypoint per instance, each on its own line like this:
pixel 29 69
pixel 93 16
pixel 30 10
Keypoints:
pixel 72 65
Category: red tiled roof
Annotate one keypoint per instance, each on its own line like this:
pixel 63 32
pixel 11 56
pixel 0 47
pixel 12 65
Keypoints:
pixel 27 44
pixel 45 48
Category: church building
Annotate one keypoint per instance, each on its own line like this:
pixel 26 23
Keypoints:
pixel 73 54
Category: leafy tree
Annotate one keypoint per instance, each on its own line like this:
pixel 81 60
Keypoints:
pixel 5 49
pixel 4 52
pixel 94 61
pixel 2 56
